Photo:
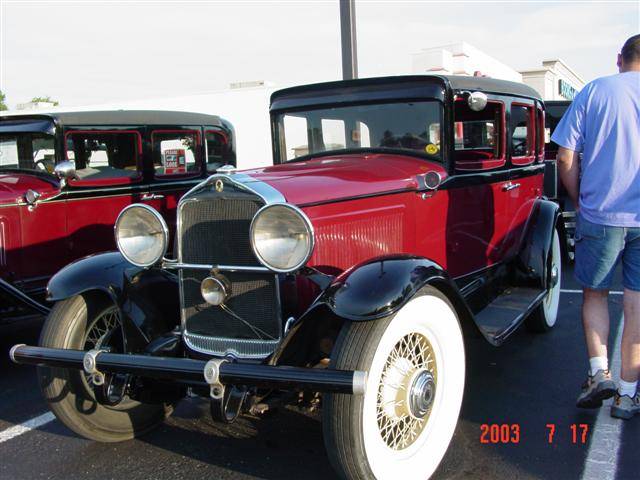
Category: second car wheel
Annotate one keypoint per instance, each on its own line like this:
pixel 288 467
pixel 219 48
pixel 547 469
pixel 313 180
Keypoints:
pixel 402 426
pixel 84 323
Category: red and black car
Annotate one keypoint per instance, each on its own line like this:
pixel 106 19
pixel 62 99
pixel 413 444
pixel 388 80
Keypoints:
pixel 65 177
pixel 401 213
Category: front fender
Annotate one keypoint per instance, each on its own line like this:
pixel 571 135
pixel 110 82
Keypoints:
pixel 148 299
pixel 534 254
pixel 373 290
pixel 380 287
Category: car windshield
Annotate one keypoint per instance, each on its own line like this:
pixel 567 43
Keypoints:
pixel 399 126
pixel 27 151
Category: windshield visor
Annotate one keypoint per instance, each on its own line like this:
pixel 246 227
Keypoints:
pixel 399 126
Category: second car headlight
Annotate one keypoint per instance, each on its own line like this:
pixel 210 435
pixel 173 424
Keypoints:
pixel 141 235
pixel 281 237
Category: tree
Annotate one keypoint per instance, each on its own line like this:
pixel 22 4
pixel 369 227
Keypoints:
pixel 46 99
pixel 3 105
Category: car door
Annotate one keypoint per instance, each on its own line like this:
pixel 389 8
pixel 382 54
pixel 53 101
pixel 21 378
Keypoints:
pixel 526 170
pixel 109 178
pixel 477 216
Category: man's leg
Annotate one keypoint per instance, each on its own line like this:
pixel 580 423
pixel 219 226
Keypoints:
pixel 631 337
pixel 595 318
pixel 598 248
pixel 627 402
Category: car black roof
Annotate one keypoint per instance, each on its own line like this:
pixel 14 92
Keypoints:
pixel 120 117
pixel 455 82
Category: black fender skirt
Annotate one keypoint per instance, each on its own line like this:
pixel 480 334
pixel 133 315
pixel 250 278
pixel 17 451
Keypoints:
pixel 148 299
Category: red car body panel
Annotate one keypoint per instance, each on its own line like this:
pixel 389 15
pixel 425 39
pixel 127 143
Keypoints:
pixel 355 218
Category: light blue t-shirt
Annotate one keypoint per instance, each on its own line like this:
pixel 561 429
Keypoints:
pixel 603 123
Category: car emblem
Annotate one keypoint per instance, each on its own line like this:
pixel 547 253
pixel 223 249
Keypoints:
pixel 219 186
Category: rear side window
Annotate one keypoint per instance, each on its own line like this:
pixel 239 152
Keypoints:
pixel 176 152
pixel 522 134
pixel 105 154
pixel 219 151
pixel 478 136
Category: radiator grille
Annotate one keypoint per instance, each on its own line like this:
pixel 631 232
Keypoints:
pixel 214 229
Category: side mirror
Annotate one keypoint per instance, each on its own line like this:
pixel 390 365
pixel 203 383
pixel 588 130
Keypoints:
pixel 66 170
pixel 477 101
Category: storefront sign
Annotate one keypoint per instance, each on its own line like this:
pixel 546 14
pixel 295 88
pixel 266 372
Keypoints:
pixel 566 90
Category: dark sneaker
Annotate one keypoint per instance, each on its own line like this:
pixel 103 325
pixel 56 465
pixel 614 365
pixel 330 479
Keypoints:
pixel 597 388
pixel 625 407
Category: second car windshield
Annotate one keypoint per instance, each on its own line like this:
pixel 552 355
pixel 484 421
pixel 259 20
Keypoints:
pixel 27 151
pixel 411 126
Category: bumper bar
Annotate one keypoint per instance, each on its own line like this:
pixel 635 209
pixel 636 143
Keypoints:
pixel 189 370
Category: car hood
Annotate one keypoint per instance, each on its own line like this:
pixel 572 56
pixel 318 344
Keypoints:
pixel 338 177
pixel 14 185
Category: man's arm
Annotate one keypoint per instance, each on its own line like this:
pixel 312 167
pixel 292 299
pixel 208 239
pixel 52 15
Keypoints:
pixel 569 168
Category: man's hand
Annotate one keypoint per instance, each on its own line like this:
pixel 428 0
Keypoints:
pixel 569 168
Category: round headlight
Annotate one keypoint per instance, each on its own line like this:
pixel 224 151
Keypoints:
pixel 141 235
pixel 281 237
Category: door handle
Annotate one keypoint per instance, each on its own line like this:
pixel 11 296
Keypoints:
pixel 510 186
pixel 152 196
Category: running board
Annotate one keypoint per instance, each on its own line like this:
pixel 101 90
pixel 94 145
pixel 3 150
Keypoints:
pixel 502 316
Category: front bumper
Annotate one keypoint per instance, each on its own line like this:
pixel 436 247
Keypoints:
pixel 216 373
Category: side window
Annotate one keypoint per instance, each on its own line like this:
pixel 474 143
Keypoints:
pixel 541 134
pixel 176 152
pixel 218 150
pixel 99 155
pixel 479 136
pixel 522 134
pixel 333 134
pixel 296 141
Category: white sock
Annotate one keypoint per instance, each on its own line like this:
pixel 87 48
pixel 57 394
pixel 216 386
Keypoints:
pixel 627 388
pixel 598 363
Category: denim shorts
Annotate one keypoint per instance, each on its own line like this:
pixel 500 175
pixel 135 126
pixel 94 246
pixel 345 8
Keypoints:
pixel 599 248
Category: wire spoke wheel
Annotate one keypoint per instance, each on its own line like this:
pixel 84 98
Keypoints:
pixel 399 421
pixel 415 363
pixel 105 332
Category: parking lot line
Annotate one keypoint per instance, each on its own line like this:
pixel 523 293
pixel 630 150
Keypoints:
pixel 24 427
pixel 566 290
pixel 602 457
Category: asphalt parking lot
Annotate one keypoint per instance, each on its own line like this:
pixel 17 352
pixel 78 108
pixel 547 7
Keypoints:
pixel 531 382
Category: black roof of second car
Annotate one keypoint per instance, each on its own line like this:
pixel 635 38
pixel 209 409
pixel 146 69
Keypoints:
pixel 120 117
pixel 455 82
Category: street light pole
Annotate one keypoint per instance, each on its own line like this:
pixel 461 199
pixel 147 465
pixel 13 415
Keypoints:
pixel 348 39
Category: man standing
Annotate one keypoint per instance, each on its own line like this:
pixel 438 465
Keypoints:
pixel 603 123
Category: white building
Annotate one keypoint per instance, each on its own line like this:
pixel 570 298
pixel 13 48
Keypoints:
pixel 461 59
pixel 555 80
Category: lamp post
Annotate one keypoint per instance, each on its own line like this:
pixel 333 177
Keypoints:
pixel 348 39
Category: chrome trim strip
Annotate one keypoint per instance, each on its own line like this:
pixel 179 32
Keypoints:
pixel 168 264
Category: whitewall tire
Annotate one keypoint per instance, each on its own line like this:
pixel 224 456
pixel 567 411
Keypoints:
pixel 545 316
pixel 402 426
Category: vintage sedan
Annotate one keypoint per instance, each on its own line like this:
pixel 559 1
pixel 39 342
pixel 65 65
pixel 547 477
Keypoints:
pixel 401 212
pixel 65 177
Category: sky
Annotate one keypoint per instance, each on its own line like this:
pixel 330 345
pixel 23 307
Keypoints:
pixel 98 52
